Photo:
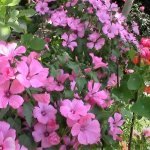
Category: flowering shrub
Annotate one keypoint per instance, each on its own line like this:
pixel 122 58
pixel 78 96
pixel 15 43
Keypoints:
pixel 68 86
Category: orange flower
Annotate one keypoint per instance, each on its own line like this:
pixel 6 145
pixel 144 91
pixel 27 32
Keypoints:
pixel 147 89
pixel 136 60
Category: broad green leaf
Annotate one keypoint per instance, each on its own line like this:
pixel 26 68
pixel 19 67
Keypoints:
pixel 134 82
pixel 10 2
pixel 81 83
pixel 37 44
pixel 142 107
pixel 27 109
pixel 74 66
pixel 68 94
pixel 27 12
pixel 4 32
pixel 3 112
pixel 26 39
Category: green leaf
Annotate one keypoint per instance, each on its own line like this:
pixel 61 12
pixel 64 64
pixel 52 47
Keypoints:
pixel 26 39
pixel 27 109
pixel 68 94
pixel 3 112
pixel 81 83
pixel 37 44
pixel 4 32
pixel 74 66
pixel 142 107
pixel 27 12
pixel 134 82
pixel 11 2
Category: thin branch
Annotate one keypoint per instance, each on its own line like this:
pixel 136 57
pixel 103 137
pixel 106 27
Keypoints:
pixel 127 7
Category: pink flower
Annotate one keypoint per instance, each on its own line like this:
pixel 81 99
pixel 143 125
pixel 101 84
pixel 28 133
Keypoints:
pixel 95 41
pixel 42 8
pixel 71 3
pixel 135 28
pixel 43 98
pixel 146 133
pixel 10 50
pixel 61 78
pixel 87 130
pixel 59 18
pixel 7 137
pixel 32 74
pixel 103 16
pixel 69 40
pixel 44 113
pixel 115 124
pixel 9 94
pixel 111 30
pixel 97 96
pixel 142 8
pixel 46 135
pixel 112 80
pixel 73 109
pixel 97 61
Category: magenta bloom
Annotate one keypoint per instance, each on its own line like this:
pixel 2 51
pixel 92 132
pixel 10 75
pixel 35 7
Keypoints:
pixel 42 7
pixel 97 61
pixel 7 137
pixel 112 80
pixel 95 41
pixel 46 135
pixel 87 130
pixel 44 113
pixel 74 109
pixel 9 94
pixel 69 40
pixel 32 74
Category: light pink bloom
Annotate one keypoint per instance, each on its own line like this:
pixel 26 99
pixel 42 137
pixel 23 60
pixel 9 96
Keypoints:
pixel 9 94
pixel 7 137
pixel 115 124
pixel 69 40
pixel 95 41
pixel 71 3
pixel 10 50
pixel 97 61
pixel 146 133
pixel 46 135
pixel 32 74
pixel 43 98
pixel 135 28
pixel 112 80
pixel 73 109
pixel 103 16
pixel 87 131
pixel 44 113
pixel 61 78
pixel 142 8
pixel 42 7
pixel 111 30
pixel 59 18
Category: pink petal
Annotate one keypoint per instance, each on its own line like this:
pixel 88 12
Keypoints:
pixel 16 87
pixel 22 79
pixel 3 102
pixel 15 101
pixel 23 68
pixel 75 129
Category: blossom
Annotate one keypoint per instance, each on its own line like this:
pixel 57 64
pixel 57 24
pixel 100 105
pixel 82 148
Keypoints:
pixel 10 50
pixel 59 18
pixel 71 3
pixel 46 135
pixel 146 133
pixel 97 61
pixel 9 94
pixel 44 97
pixel 32 74
pixel 115 124
pixel 8 138
pixel 73 109
pixel 135 28
pixel 42 7
pixel 69 40
pixel 112 80
pixel 87 130
pixel 44 112
pixel 95 41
